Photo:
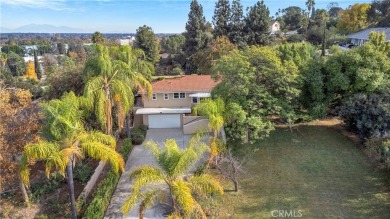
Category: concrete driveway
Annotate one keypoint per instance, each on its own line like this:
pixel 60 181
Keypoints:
pixel 138 157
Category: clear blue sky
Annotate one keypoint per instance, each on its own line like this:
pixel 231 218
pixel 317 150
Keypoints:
pixel 164 16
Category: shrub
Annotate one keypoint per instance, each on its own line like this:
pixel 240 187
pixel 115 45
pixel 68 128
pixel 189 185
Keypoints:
pixel 102 195
pixel 40 189
pixel 378 150
pixel 138 134
pixel 82 173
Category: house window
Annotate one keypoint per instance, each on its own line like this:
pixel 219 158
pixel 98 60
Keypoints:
pixel 179 95
pixel 166 96
pixel 195 100
pixel 154 96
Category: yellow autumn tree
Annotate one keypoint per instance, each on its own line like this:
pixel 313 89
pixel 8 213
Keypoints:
pixel 354 18
pixel 30 71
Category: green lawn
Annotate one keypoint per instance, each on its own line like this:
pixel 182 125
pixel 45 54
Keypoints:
pixel 313 169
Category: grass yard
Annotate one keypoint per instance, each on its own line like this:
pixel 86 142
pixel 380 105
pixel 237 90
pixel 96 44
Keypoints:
pixel 314 170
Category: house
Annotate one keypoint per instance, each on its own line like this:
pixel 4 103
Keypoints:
pixel 274 27
pixel 361 37
pixel 172 100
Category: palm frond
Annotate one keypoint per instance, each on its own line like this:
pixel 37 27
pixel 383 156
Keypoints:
pixel 150 197
pixel 182 193
pixel 130 202
pixel 101 152
pixel 97 136
pixel 205 184
pixel 24 171
pixel 145 175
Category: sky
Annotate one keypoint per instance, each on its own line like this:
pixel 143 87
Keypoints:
pixel 125 16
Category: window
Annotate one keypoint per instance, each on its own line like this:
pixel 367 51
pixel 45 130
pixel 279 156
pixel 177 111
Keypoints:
pixel 195 100
pixel 154 97
pixel 179 95
pixel 166 96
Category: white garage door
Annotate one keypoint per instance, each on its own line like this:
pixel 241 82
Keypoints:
pixel 164 121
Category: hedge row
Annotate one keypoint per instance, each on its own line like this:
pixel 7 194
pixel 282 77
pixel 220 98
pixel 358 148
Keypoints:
pixel 106 188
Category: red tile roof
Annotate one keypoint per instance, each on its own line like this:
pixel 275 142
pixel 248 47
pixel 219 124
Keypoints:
pixel 185 83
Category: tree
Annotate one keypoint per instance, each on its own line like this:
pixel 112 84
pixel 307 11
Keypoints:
pixel 205 59
pixel 257 24
pixel 173 44
pixel 66 141
pixel 334 10
pixel 221 18
pixel 237 24
pixel 30 71
pixel 98 38
pixel 299 53
pixel 109 83
pixel 354 18
pixel 37 65
pixel 292 17
pixel 16 64
pixel 13 48
pixel 196 38
pixel 310 6
pixel 3 59
pixel 146 40
pixel 379 13
pixel 230 167
pixel 61 48
pixel 367 115
pixel 20 123
pixel 378 41
pixel 172 172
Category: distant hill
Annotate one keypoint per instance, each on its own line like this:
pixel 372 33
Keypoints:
pixel 42 28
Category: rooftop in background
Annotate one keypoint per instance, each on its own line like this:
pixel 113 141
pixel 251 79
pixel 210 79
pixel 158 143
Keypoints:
pixel 365 34
pixel 185 83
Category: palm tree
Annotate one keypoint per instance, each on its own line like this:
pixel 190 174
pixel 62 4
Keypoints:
pixel 310 6
pixel 65 141
pixel 109 85
pixel 171 178
pixel 214 111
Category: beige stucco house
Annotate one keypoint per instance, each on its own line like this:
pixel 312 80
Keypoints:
pixel 274 27
pixel 172 100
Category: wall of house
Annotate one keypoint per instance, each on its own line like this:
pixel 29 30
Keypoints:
pixel 188 119
pixel 170 103
pixel 195 126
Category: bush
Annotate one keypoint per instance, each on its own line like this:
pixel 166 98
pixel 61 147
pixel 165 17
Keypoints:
pixel 82 173
pixel 102 195
pixel 378 150
pixel 40 189
pixel 295 38
pixel 138 134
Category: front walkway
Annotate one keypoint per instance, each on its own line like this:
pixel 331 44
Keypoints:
pixel 141 156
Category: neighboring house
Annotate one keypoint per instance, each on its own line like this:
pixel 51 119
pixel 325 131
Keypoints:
pixel 172 100
pixel 274 27
pixel 361 37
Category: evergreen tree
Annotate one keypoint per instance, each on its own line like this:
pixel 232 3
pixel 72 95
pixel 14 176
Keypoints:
pixel 37 65
pixel 237 24
pixel 221 18
pixel 257 24
pixel 146 40
pixel 196 38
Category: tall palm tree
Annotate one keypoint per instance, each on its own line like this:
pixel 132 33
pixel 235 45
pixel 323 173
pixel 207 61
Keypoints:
pixel 310 6
pixel 214 111
pixel 65 141
pixel 110 84
pixel 173 180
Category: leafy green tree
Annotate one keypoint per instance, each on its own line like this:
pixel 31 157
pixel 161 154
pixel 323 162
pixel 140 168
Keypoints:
pixel 66 141
pixel 292 17
pixel 367 115
pixel 109 83
pixel 299 53
pixel 173 44
pixel 205 59
pixel 257 24
pixel 98 38
pixel 237 24
pixel 172 177
pixel 146 40
pixel 38 70
pixel 13 48
pixel 196 38
pixel 221 18
pixel 3 59
pixel 16 64
pixel 379 13
pixel 61 48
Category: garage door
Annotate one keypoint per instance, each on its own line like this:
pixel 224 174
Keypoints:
pixel 164 121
